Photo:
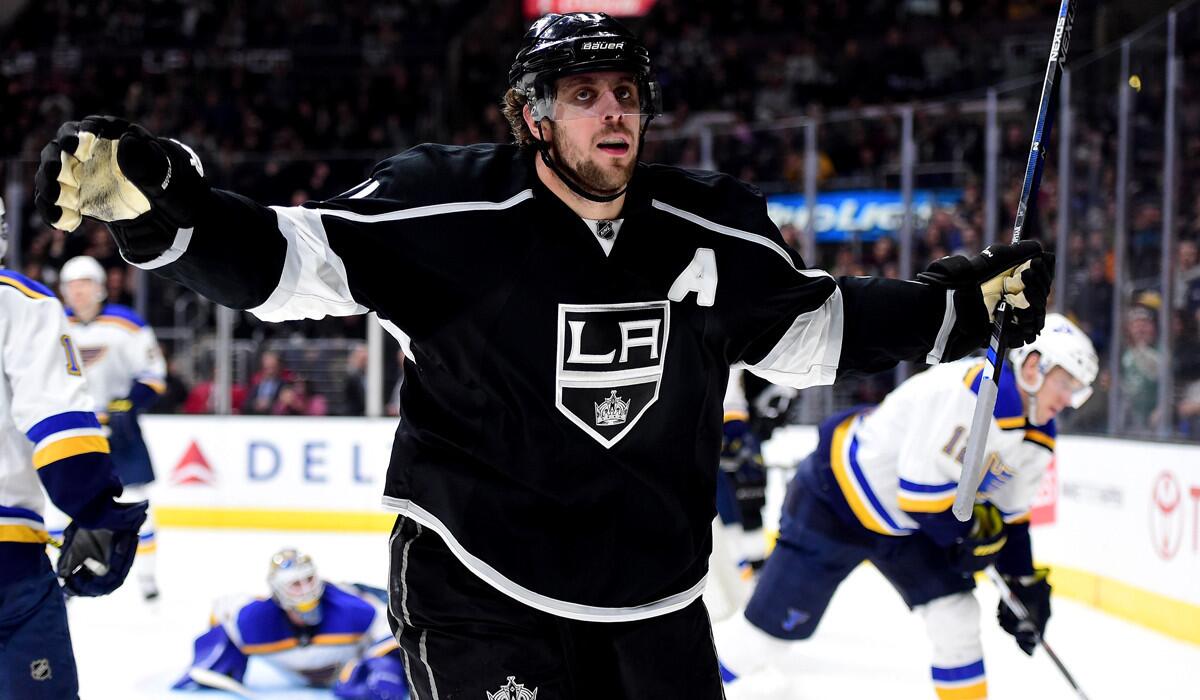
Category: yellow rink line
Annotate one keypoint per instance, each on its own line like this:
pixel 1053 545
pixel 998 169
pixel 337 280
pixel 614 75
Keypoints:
pixel 265 519
pixel 1172 617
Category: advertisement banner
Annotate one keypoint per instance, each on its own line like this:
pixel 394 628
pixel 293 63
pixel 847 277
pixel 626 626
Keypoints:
pixel 861 215
pixel 616 8
pixel 248 471
pixel 1126 535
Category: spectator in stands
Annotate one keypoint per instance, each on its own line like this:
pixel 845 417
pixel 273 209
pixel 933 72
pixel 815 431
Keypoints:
pixel 173 399
pixel 1188 410
pixel 266 384
pixel 1093 308
pixel 294 399
pixel 202 398
pixel 1139 371
pixel 883 251
pixel 118 286
pixel 1187 271
pixel 354 385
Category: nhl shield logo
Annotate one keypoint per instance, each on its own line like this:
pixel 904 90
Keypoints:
pixel 39 669
pixel 513 691
pixel 610 361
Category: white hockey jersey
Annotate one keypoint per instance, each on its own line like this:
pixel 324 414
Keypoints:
pixel 47 425
pixel 118 349
pixel 904 457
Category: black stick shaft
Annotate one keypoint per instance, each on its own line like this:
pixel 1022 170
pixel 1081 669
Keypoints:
pixel 972 472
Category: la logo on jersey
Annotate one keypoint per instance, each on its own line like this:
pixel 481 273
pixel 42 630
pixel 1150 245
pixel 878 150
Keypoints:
pixel 610 360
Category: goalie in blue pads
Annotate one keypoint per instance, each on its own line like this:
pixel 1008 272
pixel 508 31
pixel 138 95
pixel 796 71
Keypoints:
pixel 320 633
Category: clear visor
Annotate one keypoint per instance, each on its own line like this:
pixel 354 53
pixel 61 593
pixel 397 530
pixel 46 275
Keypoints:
pixel 1065 383
pixel 1080 396
pixel 593 97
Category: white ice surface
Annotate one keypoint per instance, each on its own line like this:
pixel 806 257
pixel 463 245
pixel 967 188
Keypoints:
pixel 868 645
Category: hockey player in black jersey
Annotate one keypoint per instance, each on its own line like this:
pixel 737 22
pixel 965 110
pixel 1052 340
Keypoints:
pixel 569 316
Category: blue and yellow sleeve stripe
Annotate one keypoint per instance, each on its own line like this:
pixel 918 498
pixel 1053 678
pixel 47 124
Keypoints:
pixel 72 459
pixel 155 384
pixel 24 285
pixel 66 435
pixel 22 525
pixel 145 391
pixel 925 498
pixel 843 458
pixel 121 316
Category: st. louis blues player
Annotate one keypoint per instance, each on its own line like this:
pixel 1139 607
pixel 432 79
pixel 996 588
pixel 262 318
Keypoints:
pixel 126 373
pixel 49 437
pixel 320 633
pixel 879 488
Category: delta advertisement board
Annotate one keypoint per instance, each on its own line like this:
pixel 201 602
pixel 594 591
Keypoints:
pixel 859 215
pixel 241 462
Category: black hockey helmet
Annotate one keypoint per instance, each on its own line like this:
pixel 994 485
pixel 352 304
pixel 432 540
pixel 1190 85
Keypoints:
pixel 579 42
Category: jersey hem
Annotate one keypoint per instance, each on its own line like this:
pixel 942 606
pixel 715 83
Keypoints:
pixel 553 606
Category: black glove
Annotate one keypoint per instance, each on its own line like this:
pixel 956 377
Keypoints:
pixel 1021 273
pixel 95 561
pixel 982 544
pixel 145 188
pixel 1034 592
pixel 738 445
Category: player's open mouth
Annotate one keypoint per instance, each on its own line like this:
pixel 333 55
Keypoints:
pixel 614 146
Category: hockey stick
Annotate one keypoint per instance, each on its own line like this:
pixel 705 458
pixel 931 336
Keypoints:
pixel 989 385
pixel 1018 608
pixel 220 681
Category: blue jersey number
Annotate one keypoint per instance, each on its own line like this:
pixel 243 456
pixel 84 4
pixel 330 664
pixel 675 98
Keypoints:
pixel 72 356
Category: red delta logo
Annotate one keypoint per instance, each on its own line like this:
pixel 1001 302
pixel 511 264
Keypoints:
pixel 1168 521
pixel 193 468
pixel 1046 498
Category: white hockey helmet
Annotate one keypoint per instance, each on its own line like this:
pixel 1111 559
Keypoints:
pixel 3 232
pixel 1060 344
pixel 295 585
pixel 84 267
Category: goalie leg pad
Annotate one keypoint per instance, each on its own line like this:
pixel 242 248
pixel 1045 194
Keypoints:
pixel 379 678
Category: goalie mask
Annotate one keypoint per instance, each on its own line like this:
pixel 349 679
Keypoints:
pixel 560 45
pixel 295 585
pixel 1060 344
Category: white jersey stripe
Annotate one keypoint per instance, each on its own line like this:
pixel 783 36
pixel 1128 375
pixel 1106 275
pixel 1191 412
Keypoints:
pixel 421 212
pixel 943 336
pixel 179 246
pixel 553 606
pixel 809 352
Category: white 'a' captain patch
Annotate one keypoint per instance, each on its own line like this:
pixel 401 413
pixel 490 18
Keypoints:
pixel 609 364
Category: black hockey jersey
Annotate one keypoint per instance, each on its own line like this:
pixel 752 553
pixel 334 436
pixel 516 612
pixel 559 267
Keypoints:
pixel 561 413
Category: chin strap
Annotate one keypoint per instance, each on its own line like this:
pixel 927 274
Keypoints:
pixel 1031 390
pixel 544 150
